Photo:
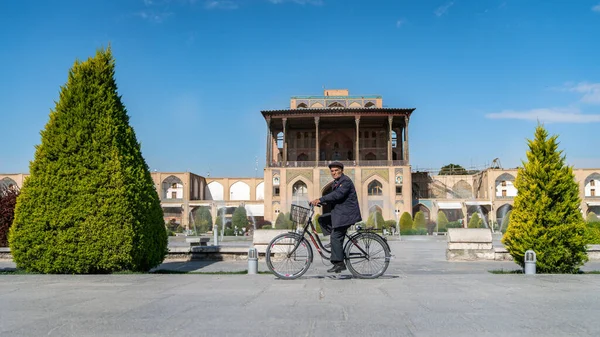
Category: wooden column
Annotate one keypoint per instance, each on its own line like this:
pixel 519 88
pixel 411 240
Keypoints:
pixel 406 154
pixel 389 145
pixel 284 157
pixel 269 143
pixel 357 145
pixel 317 141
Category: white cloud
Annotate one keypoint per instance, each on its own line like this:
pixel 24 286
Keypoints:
pixel 548 115
pixel 221 4
pixel 299 2
pixel 443 9
pixel 596 8
pixel 590 91
pixel 152 16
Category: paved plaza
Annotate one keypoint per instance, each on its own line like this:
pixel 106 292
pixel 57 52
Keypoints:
pixel 421 295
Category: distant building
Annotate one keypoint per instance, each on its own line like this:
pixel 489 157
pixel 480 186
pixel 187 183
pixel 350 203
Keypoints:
pixel 371 141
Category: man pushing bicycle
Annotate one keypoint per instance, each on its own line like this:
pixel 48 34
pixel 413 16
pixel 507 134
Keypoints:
pixel 345 212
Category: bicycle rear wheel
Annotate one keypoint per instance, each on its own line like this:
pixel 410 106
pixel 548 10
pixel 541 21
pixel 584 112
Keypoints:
pixel 284 261
pixel 367 255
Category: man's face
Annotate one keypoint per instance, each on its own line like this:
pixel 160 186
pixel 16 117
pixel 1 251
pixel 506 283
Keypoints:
pixel 336 172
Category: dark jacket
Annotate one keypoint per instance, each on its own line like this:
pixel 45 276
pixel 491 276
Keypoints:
pixel 343 202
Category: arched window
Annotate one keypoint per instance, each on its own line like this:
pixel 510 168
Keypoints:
pixel 260 191
pixel 214 191
pixel 302 157
pixel 591 185
pixel 375 188
pixel 336 105
pixel 172 188
pixel 370 105
pixel 239 191
pixel 302 106
pixel 299 189
pixel 370 156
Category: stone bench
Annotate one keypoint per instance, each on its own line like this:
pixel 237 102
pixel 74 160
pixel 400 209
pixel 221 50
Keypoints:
pixel 468 244
pixel 194 242
pixel 262 237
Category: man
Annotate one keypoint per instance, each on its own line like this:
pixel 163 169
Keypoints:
pixel 344 213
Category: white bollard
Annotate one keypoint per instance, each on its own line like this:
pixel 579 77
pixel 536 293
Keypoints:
pixel 252 261
pixel 530 261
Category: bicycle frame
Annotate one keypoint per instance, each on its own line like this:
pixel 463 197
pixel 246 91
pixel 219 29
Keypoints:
pixel 316 240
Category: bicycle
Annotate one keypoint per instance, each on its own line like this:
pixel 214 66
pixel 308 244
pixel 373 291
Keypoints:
pixel 289 255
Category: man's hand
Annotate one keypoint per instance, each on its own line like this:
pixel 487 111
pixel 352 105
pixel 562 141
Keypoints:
pixel 315 202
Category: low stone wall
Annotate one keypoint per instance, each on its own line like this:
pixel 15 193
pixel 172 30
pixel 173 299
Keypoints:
pixel 593 252
pixel 469 244
pixel 5 253
pixel 262 237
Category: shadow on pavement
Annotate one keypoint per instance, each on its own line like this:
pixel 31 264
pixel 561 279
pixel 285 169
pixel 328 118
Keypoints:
pixel 185 266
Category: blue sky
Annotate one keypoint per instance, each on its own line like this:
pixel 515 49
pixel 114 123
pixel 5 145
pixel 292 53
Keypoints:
pixel 195 74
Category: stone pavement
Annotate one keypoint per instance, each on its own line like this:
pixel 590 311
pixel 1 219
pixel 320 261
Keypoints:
pixel 421 295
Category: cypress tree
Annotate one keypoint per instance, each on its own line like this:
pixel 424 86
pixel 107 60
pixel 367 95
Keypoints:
pixel 281 222
pixel 89 205
pixel 475 222
pixel 505 222
pixel 420 221
pixel 316 223
pixel 442 220
pixel 406 221
pixel 546 216
pixel 240 218
pixel 202 219
pixel 375 220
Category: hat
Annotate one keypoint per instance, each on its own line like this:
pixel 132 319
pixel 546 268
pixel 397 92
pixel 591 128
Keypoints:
pixel 336 164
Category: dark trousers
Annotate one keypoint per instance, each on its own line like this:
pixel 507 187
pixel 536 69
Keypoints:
pixel 325 224
pixel 337 237
pixel 337 244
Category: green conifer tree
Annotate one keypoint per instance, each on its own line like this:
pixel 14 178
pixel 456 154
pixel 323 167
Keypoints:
pixel 442 221
pixel 505 222
pixel 476 221
pixel 90 205
pixel 316 223
pixel 240 218
pixel 406 222
pixel 281 222
pixel 203 219
pixel 546 216
pixel 375 220
pixel 420 221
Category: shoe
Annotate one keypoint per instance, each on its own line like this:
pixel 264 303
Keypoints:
pixel 338 267
pixel 327 245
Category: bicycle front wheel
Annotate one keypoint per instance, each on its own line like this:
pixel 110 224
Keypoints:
pixel 289 256
pixel 367 255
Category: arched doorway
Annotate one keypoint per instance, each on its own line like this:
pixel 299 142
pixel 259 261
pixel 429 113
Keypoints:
pixel 422 208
